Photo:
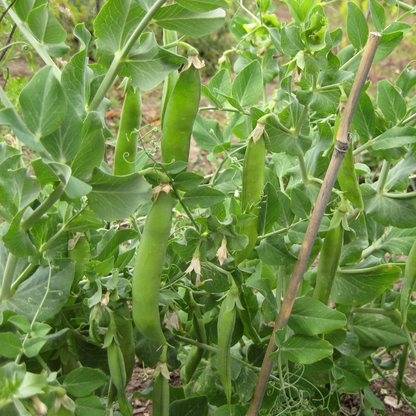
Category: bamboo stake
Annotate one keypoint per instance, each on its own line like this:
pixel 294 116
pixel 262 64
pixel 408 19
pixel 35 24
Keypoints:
pixel 342 145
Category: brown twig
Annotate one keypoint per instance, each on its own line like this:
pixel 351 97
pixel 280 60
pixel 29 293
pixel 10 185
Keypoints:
pixel 342 144
pixel 8 41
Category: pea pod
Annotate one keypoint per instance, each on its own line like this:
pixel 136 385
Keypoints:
pixel 160 405
pixel 347 180
pixel 81 254
pixel 409 282
pixel 196 354
pixel 149 264
pixel 122 318
pixel 126 145
pixel 253 183
pixel 226 323
pixel 118 376
pixel 180 114
pixel 328 263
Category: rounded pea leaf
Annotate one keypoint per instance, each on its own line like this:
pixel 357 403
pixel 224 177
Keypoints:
pixel 311 317
pixel 43 103
pixel 248 84
pixel 306 350
pixel 83 381
pixel 357 27
pixel 352 371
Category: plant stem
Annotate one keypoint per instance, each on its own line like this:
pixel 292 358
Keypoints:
pixel 303 170
pixel 23 276
pixel 376 244
pixel 43 208
pixel 188 213
pixel 301 120
pixel 402 367
pixel 40 49
pixel 8 277
pixel 404 195
pixel 363 147
pixel 230 109
pixel 366 269
pixel 404 6
pixel 351 61
pixel 410 341
pixel 383 176
pixel 341 147
pixel 376 311
pixel 121 57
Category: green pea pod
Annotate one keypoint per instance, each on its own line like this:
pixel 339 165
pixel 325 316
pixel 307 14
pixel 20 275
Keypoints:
pixel 409 282
pixel 160 397
pixel 196 354
pixel 328 263
pixel 180 115
pixel 347 180
pixel 126 145
pixel 253 183
pixel 226 323
pixel 123 321
pixel 245 317
pixel 169 36
pixel 149 264
pixel 81 254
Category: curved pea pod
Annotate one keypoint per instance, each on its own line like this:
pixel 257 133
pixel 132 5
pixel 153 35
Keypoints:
pixel 149 264
pixel 160 397
pixel 409 282
pixel 125 338
pixel 126 145
pixel 328 263
pixel 180 114
pixel 253 183
pixel 347 180
pixel 226 323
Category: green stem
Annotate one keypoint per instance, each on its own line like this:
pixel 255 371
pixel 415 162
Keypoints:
pixel 352 60
pixel 42 362
pixel 40 49
pixel 122 56
pixel 410 341
pixel 303 170
pixel 188 213
pixel 8 277
pixel 404 6
pixel 43 208
pixel 301 120
pixel 363 147
pixel 377 244
pixel 402 367
pixel 383 176
pixel 408 121
pixel 227 156
pixel 23 276
pixel 230 109
pixel 404 195
pixel 366 269
pixel 377 311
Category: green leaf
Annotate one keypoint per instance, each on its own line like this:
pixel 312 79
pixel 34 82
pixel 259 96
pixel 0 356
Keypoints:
pixel 300 203
pixel 193 406
pixel 89 406
pixel 311 317
pixel 357 27
pixel 29 295
pixel 352 370
pixel 350 346
pixel 286 215
pixel 406 80
pixel 21 322
pixel 186 22
pixel 248 84
pixel 148 72
pixel 83 381
pixel 221 81
pixel 186 181
pixel 269 209
pixel 203 197
pixel 65 142
pixel 272 250
pixel 351 252
pixel 388 43
pixel 390 102
pixel 113 244
pixel 304 349
pixel 10 345
pixel 291 41
pixel 113 26
pixel 364 120
pixel 32 384
pixel 32 346
pixel 400 213
pixel 43 103
pixel 395 137
pixel 399 241
pixel 201 6
pixel 117 197
pixel 398 177
pixel 9 117
pixel 358 288
pixel 301 9
pixel 207 133
pixel 378 15
pixel 376 330
pixel 76 74
pixel 245 384
pixel 92 148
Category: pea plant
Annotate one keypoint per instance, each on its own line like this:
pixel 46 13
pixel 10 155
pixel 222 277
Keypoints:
pixel 276 282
